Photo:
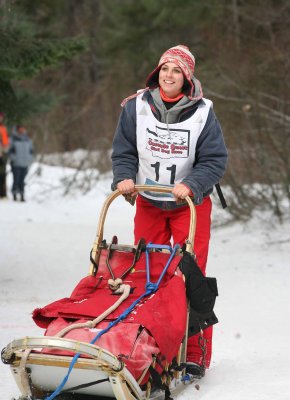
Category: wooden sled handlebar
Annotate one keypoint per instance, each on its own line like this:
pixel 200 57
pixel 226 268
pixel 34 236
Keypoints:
pixel 139 188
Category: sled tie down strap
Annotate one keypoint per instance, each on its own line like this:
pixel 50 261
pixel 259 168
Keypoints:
pixel 150 288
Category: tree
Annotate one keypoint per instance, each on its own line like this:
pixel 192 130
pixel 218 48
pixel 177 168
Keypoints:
pixel 242 61
pixel 23 56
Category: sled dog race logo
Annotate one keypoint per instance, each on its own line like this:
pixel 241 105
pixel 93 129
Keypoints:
pixel 164 143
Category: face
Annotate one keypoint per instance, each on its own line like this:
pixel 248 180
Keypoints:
pixel 171 79
pixel 21 129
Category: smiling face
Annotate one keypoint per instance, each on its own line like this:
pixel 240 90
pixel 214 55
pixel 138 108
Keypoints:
pixel 171 79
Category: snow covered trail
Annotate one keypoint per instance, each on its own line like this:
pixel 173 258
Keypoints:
pixel 45 251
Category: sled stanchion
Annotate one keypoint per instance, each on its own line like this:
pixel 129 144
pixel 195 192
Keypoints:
pixel 97 245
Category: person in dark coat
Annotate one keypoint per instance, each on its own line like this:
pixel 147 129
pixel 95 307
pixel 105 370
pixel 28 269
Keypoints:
pixel 21 154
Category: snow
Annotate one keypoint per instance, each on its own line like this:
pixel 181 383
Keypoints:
pixel 45 245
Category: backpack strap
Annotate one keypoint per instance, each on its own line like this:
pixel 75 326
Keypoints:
pixel 221 196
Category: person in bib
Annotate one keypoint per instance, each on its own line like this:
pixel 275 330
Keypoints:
pixel 168 135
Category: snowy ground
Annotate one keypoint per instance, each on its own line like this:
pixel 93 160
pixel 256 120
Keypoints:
pixel 45 246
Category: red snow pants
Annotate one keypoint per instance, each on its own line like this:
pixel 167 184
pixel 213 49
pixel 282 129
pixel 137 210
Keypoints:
pixel 159 226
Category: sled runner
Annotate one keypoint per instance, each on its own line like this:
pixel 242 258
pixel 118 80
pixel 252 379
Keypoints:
pixel 123 331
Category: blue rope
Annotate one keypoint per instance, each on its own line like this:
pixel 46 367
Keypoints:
pixel 159 246
pixel 150 288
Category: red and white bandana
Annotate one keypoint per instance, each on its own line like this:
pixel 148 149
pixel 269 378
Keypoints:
pixel 181 56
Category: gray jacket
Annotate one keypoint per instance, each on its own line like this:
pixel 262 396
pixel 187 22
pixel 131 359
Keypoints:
pixel 211 152
pixel 21 150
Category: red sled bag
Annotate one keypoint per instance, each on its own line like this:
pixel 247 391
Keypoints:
pixel 154 327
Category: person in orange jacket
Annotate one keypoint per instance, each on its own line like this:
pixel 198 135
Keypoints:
pixel 4 144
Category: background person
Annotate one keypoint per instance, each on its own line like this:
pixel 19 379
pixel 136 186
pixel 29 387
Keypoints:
pixel 168 134
pixel 4 145
pixel 21 154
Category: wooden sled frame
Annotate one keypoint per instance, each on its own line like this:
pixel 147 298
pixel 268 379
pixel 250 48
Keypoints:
pixel 101 363
pixel 97 245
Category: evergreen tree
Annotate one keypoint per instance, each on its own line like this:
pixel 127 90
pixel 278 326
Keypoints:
pixel 24 55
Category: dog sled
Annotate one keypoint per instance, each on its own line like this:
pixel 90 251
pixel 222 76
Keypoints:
pixel 123 332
